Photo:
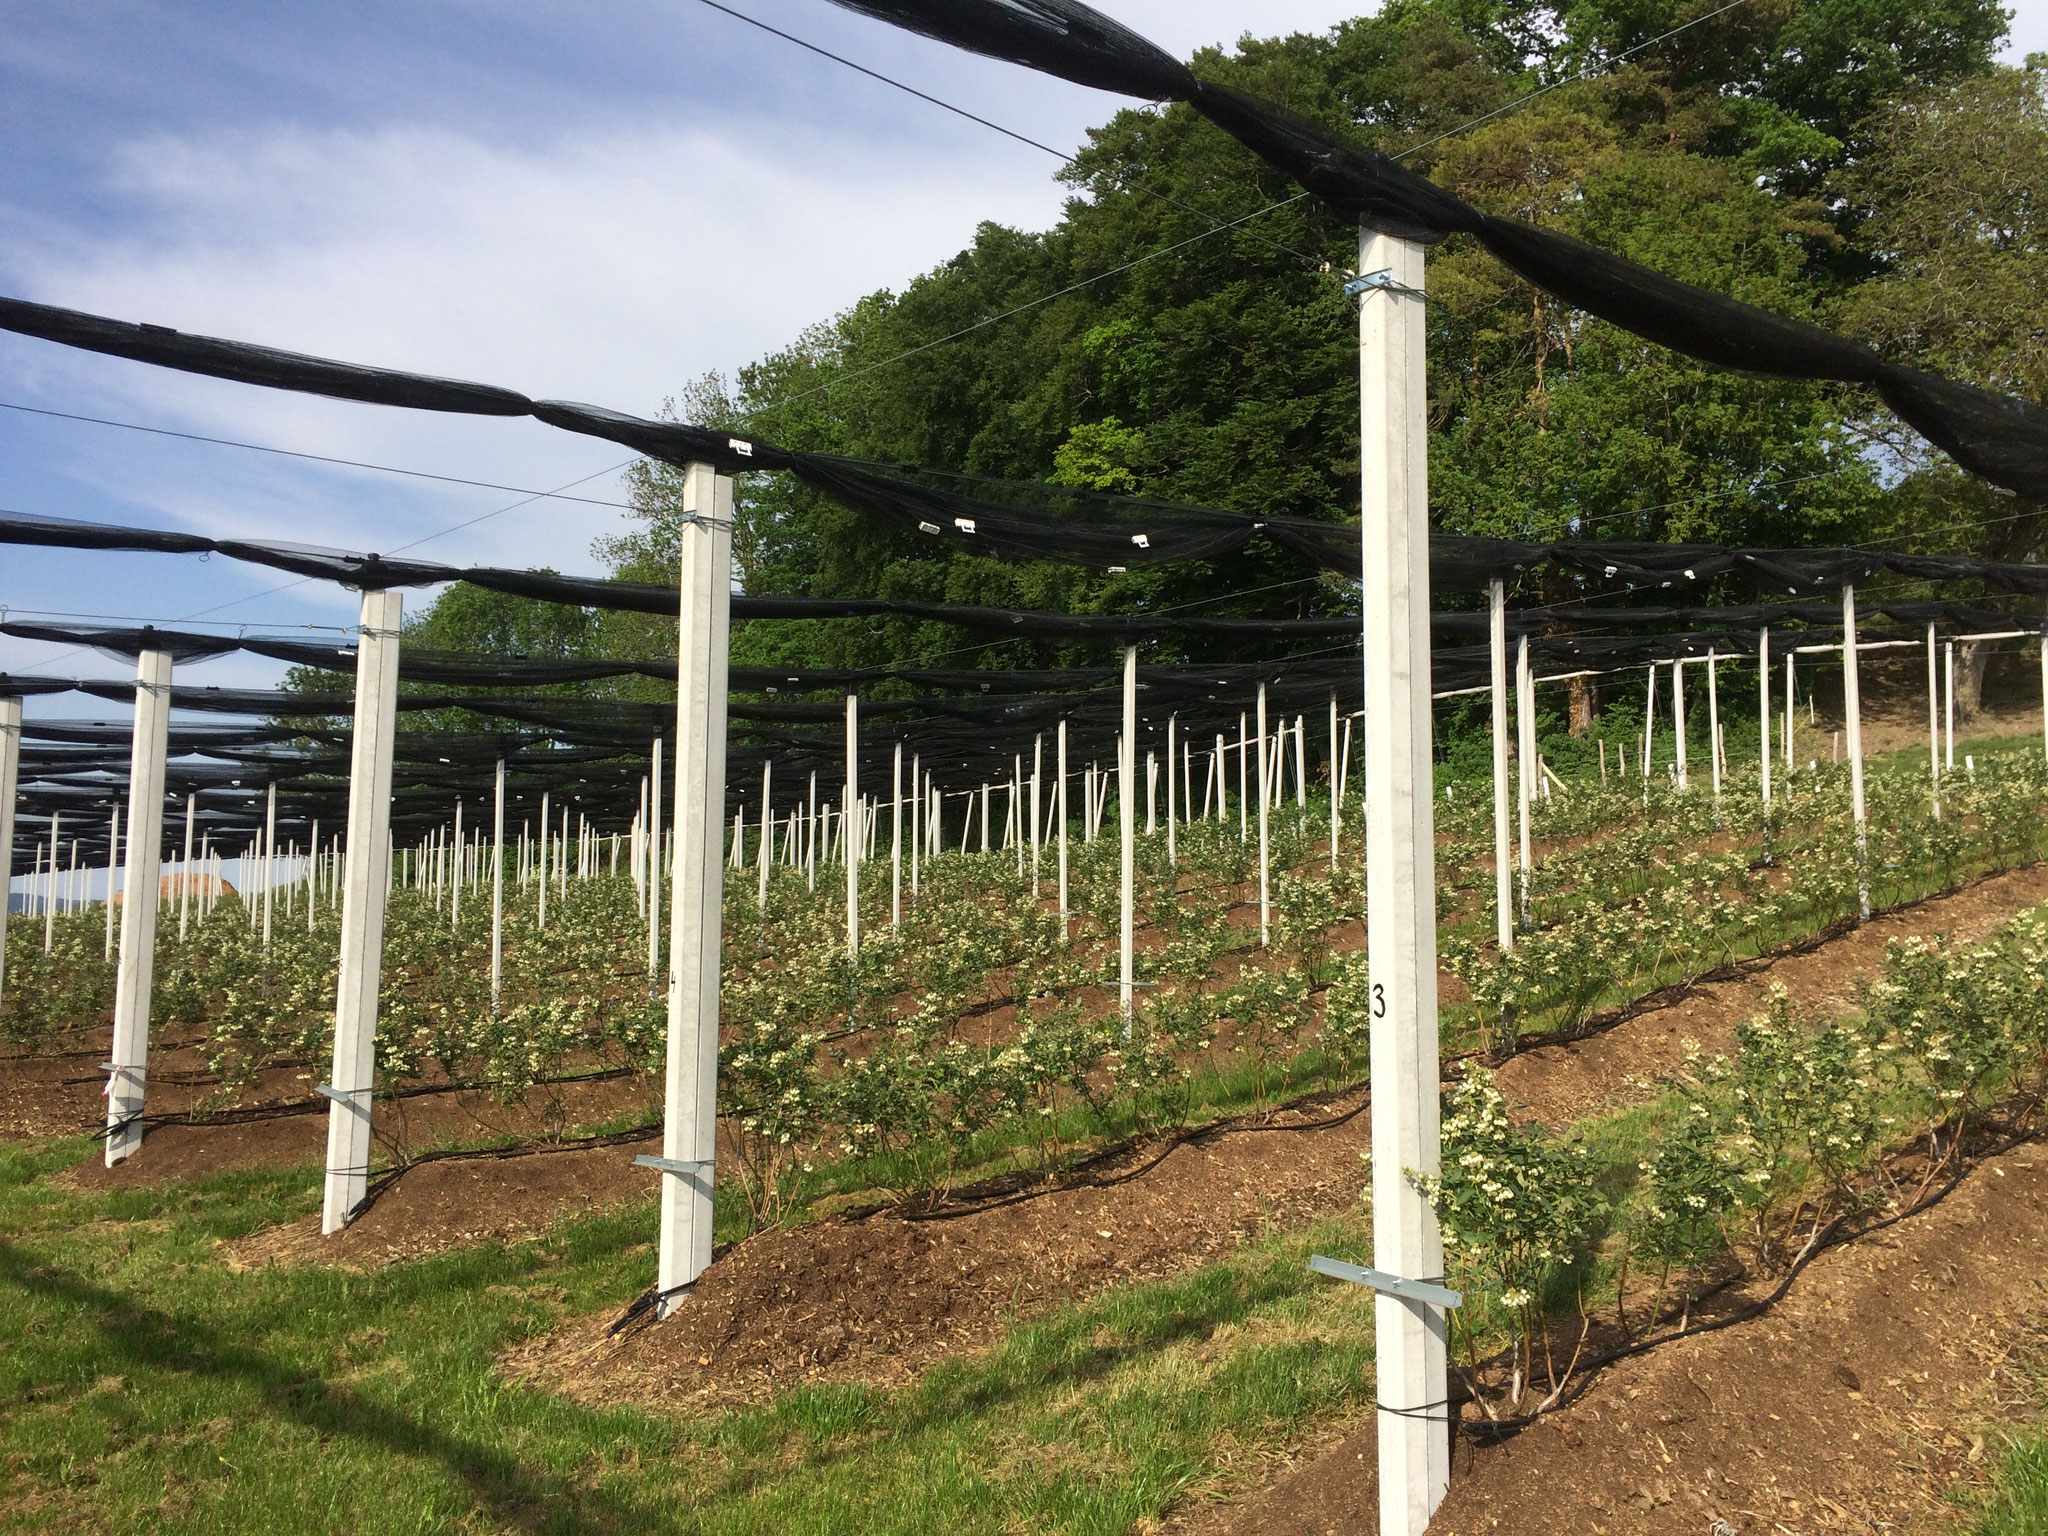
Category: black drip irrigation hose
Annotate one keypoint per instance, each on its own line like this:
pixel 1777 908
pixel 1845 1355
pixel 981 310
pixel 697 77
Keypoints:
pixel 391 1176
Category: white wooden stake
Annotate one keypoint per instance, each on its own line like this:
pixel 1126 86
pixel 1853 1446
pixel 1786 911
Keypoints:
pixel 1336 782
pixel 1300 763
pixel 132 981
pixel 1852 708
pixel 1244 771
pixel 1413 1420
pixel 1525 763
pixel 1678 720
pixel 1127 828
pixel 10 789
pixel 1172 800
pixel 850 804
pixel 1059 798
pixel 1266 764
pixel 1763 706
pixel 690 1132
pixel 113 859
pixel 2044 689
pixel 765 854
pixel 1948 694
pixel 455 889
pixel 654 869
pixel 1649 728
pixel 1037 811
pixel 1713 726
pixel 366 881
pixel 1503 875
pixel 1934 724
pixel 1791 688
pixel 896 837
pixel 498 888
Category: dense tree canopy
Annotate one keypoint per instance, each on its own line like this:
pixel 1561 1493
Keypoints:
pixel 1182 332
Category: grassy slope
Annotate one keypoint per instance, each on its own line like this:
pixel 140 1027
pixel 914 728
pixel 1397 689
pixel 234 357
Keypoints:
pixel 148 1387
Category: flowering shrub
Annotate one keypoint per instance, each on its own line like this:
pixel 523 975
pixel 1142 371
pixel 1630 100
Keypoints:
pixel 1517 1207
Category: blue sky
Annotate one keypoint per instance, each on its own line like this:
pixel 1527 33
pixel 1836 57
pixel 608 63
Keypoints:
pixel 591 202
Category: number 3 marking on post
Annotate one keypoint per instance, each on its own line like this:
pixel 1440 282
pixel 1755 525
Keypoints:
pixel 1379 1000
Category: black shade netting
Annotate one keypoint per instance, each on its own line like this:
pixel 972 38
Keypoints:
pixel 2000 437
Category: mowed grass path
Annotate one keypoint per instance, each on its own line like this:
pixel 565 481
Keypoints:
pixel 145 1386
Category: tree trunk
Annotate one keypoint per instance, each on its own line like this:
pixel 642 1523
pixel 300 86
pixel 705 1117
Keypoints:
pixel 1971 660
pixel 1585 700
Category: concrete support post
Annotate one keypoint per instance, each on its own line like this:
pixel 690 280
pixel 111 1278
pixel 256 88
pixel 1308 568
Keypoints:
pixel 1413 1422
pixel 1852 711
pixel 129 1063
pixel 1127 833
pixel 185 875
pixel 690 1132
pixel 366 882
pixel 1503 874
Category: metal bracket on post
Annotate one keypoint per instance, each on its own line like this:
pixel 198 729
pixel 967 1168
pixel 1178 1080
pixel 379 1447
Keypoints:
pixel 346 1097
pixel 1383 279
pixel 669 1164
pixel 1391 1285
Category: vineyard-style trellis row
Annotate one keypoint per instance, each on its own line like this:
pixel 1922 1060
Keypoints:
pixel 956 1022
pixel 980 1023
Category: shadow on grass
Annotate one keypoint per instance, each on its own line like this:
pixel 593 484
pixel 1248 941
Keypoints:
pixel 147 1337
